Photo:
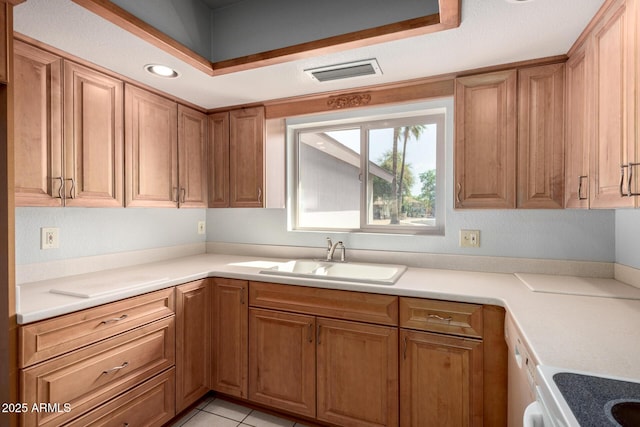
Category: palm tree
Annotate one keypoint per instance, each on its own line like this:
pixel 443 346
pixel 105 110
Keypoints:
pixel 405 132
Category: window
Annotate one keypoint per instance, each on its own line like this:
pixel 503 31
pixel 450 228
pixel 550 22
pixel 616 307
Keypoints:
pixel 381 173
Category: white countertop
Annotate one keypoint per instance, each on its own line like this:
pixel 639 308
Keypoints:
pixel 588 333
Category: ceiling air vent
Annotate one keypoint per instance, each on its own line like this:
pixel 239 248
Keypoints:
pixel 367 67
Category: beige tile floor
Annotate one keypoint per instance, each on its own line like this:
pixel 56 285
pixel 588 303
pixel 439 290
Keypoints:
pixel 216 412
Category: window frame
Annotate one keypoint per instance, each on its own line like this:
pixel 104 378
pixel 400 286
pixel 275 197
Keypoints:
pixel 433 112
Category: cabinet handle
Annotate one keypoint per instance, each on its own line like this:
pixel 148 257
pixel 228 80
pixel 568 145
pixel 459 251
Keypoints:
pixel 435 316
pixel 242 296
pixel 318 337
pixel 630 193
pixel 310 332
pixel 259 195
pixel 60 190
pixel 73 187
pixel 183 193
pixel 114 319
pixel 458 193
pixel 622 179
pixel 174 195
pixel 580 178
pixel 115 368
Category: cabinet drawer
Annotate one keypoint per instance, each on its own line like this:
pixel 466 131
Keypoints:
pixel 49 338
pixel 149 404
pixel 86 378
pixel 359 306
pixel 447 317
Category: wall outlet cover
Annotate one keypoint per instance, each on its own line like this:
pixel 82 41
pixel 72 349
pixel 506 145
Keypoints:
pixel 202 227
pixel 49 238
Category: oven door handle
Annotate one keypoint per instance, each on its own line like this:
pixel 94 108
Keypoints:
pixel 533 416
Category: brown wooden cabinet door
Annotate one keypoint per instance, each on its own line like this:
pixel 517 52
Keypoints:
pixel 219 160
pixel 441 381
pixel 613 134
pixel 357 373
pixel 485 140
pixel 282 361
pixel 192 158
pixel 246 157
pixel 151 149
pixel 38 126
pixel 541 137
pixel 577 131
pixel 6 18
pixel 230 337
pixel 93 134
pixel 193 345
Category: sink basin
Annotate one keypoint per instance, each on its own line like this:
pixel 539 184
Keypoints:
pixel 382 274
pixel 626 413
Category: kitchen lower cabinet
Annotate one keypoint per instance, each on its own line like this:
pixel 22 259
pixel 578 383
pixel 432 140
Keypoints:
pixel 453 364
pixel 340 371
pixel 282 361
pixel 357 373
pixel 193 342
pixel 99 361
pixel 441 380
pixel 229 327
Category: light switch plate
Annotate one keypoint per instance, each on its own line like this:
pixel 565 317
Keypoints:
pixel 470 238
pixel 49 238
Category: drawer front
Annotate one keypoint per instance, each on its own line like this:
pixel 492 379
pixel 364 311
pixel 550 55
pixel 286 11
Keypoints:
pixel 358 306
pixel 49 338
pixel 86 378
pixel 149 404
pixel 441 316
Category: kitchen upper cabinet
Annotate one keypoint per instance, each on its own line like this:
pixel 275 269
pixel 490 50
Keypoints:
pixel 193 342
pixel 540 166
pixel 485 140
pixel 192 159
pixel 93 138
pixel 219 160
pixel 282 360
pixel 246 157
pixel 577 133
pixel 236 158
pixel 151 143
pixel 38 126
pixel 613 79
pixel 77 161
pixel 357 368
pixel 230 311
pixel 441 379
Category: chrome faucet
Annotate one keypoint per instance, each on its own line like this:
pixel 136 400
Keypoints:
pixel 331 248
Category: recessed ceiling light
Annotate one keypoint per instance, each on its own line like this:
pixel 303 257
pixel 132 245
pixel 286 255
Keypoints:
pixel 161 71
pixel 518 1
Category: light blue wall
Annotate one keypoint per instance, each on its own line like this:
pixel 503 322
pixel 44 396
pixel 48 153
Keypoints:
pixel 89 231
pixel 543 234
pixel 628 237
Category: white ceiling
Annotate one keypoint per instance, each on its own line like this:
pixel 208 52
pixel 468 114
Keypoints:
pixel 492 32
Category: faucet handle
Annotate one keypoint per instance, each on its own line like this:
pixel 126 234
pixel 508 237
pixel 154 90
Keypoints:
pixel 329 243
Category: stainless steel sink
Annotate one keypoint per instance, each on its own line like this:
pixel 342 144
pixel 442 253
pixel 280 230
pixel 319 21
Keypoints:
pixel 378 274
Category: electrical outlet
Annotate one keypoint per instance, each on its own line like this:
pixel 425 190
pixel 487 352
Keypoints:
pixel 202 227
pixel 49 238
pixel 470 238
